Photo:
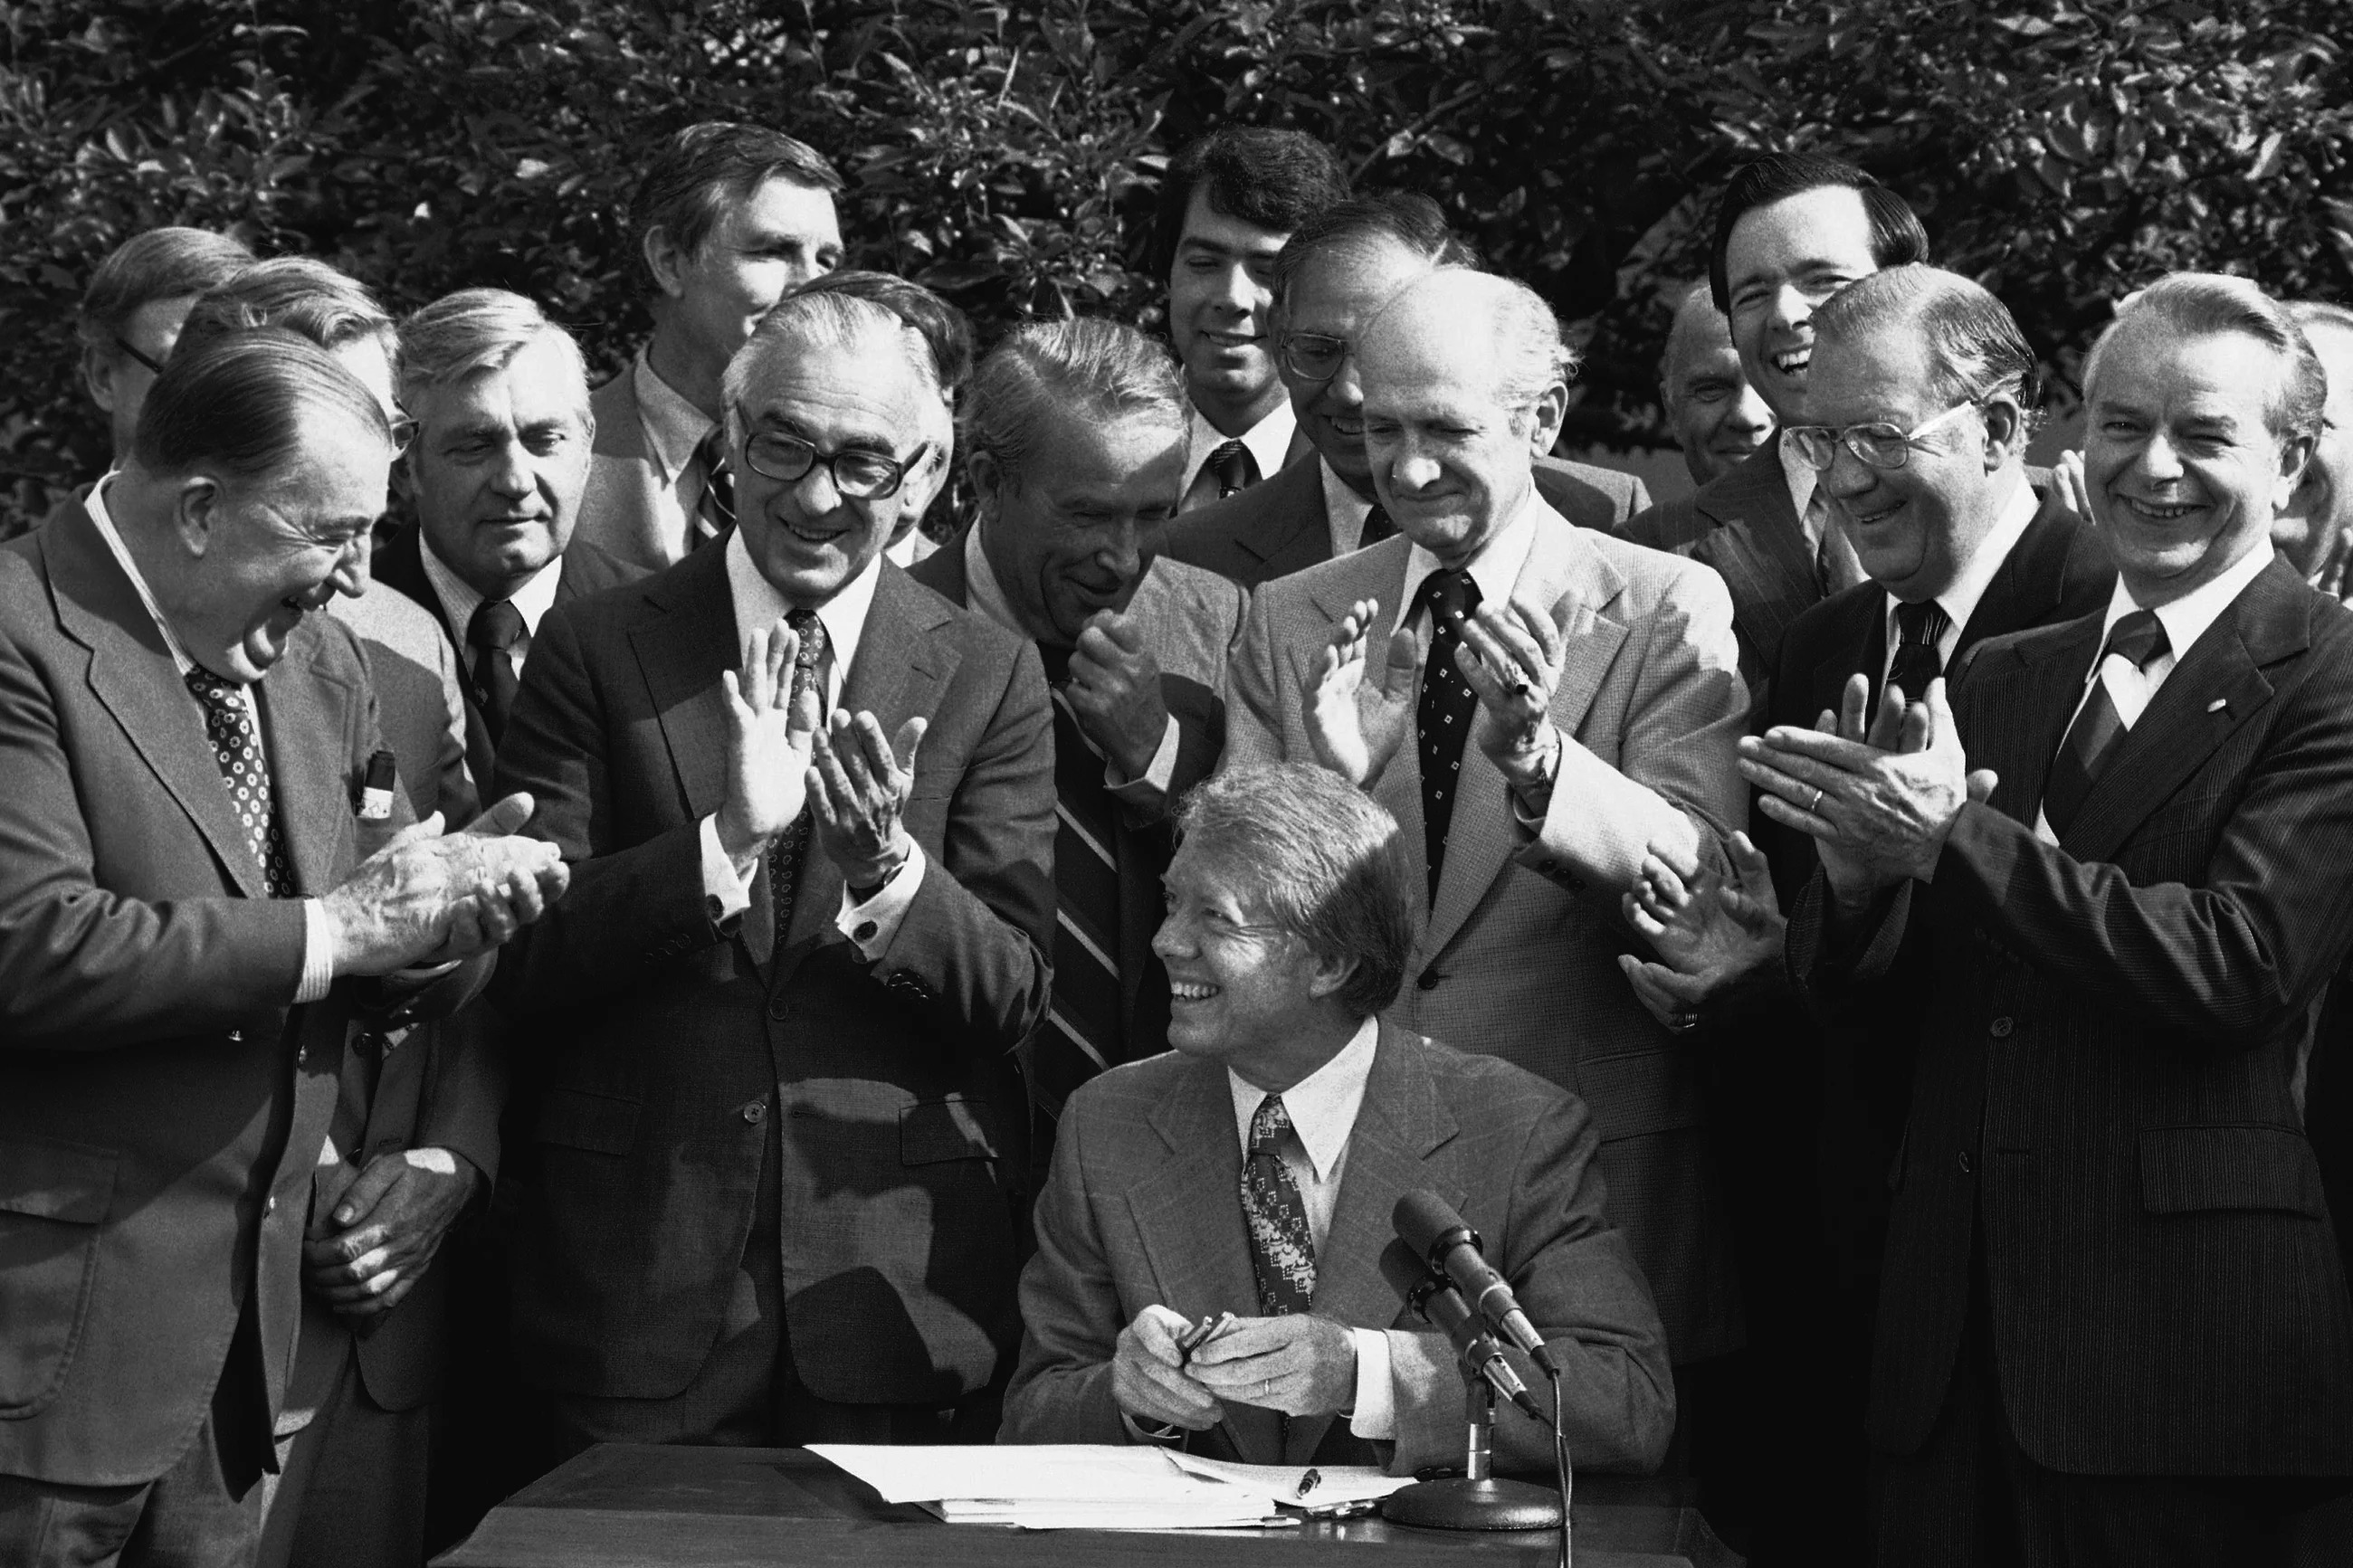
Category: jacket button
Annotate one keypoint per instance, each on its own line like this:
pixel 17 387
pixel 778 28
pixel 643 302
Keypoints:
pixel 1999 1029
pixel 779 1009
pixel 269 1203
pixel 1963 1160
pixel 755 1112
pixel 301 1054
pixel 1428 979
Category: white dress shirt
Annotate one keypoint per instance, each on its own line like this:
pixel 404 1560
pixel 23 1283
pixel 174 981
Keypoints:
pixel 1323 1109
pixel 1344 512
pixel 2185 620
pixel 318 942
pixel 1496 568
pixel 675 429
pixel 459 601
pixel 870 926
pixel 1269 442
pixel 1959 602
pixel 1803 479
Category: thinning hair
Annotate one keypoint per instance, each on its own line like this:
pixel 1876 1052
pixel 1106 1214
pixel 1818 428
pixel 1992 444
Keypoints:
pixel 324 304
pixel 1975 348
pixel 2198 304
pixel 1270 179
pixel 695 172
pixel 169 263
pixel 1896 237
pixel 473 333
pixel 1326 862
pixel 236 402
pixel 1695 312
pixel 1407 219
pixel 2311 313
pixel 807 319
pixel 1086 368
pixel 941 325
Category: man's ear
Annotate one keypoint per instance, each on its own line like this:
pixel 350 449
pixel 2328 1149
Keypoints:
pixel 98 376
pixel 989 485
pixel 665 260
pixel 2295 463
pixel 197 513
pixel 1550 410
pixel 2006 430
pixel 1327 974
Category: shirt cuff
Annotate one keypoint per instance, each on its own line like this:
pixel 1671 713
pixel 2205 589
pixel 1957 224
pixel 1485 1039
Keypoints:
pixel 1152 787
pixel 873 925
pixel 318 953
pixel 1376 1414
pixel 726 892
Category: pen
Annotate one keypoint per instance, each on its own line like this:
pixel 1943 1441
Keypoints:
pixel 1307 1483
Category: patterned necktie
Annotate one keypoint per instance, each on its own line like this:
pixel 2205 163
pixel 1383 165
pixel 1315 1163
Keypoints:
pixel 493 633
pixel 1085 1033
pixel 1918 630
pixel 2098 732
pixel 1282 1249
pixel 715 512
pixel 791 848
pixel 1442 717
pixel 237 749
pixel 1378 527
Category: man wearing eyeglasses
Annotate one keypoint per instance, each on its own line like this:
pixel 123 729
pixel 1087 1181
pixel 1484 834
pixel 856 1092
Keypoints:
pixel 767 1056
pixel 1331 277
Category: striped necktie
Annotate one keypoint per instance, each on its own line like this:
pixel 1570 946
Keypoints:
pixel 2098 732
pixel 1085 1025
pixel 714 510
pixel 1918 630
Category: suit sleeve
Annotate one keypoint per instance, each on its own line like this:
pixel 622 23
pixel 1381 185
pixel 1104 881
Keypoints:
pixel 466 1090
pixel 1070 1316
pixel 459 795
pixel 1256 700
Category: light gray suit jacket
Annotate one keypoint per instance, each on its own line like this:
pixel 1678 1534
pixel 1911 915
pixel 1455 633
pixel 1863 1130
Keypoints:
pixel 1144 1207
pixel 1519 955
pixel 618 508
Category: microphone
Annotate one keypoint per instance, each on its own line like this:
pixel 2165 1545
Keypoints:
pixel 1441 1306
pixel 1437 1234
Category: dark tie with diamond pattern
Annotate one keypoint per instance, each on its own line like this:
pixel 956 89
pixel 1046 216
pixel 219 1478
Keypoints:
pixel 1918 630
pixel 1443 717
pixel 493 633
pixel 229 726
pixel 2098 732
pixel 791 848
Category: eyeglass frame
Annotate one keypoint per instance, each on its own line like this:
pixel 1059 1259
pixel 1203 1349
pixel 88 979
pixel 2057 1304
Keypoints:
pixel 1843 436
pixel 900 467
pixel 1284 349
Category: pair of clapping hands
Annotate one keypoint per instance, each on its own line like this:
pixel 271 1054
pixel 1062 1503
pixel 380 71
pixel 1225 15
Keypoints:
pixel 1299 1364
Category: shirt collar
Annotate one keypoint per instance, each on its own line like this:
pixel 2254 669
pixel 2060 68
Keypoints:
pixel 1269 441
pixel 674 428
pixel 757 603
pixel 107 531
pixel 459 600
pixel 1341 504
pixel 1803 479
pixel 1496 567
pixel 1322 1106
pixel 1959 601
pixel 2185 619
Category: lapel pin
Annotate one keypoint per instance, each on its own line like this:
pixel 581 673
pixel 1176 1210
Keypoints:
pixel 2217 705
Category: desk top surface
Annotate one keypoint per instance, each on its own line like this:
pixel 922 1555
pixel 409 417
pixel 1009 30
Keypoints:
pixel 778 1508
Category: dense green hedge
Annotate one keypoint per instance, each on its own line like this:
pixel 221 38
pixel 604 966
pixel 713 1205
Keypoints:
pixel 1006 153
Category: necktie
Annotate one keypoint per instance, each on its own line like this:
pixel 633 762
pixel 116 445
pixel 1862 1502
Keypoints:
pixel 1378 527
pixel 791 848
pixel 237 749
pixel 1232 466
pixel 491 634
pixel 1443 717
pixel 1282 1249
pixel 714 512
pixel 1085 1033
pixel 2098 732
pixel 1918 630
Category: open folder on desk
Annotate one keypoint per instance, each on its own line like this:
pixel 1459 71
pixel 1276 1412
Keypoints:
pixel 1077 1486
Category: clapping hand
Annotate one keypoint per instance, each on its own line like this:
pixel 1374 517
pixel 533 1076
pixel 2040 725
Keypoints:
pixel 1713 935
pixel 1297 1363
pixel 428 896
pixel 1358 714
pixel 1511 655
pixel 1115 691
pixel 859 783
pixel 769 742
pixel 1147 1374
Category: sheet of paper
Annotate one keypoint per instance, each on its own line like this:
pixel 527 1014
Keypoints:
pixel 1044 1472
pixel 1279 1483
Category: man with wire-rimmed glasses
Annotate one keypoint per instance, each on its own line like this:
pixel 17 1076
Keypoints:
pixel 766 1056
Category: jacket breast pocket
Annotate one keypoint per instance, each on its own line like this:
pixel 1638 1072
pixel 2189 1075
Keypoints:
pixel 2187 1170
pixel 54 1198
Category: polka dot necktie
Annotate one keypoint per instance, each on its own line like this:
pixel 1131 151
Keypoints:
pixel 785 856
pixel 1442 717
pixel 1378 527
pixel 229 723
pixel 1282 1249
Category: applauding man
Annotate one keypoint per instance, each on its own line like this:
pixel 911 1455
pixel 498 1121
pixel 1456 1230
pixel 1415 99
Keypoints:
pixel 766 1056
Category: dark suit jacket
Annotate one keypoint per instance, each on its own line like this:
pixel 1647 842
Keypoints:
pixel 653 1045
pixel 1279 527
pixel 162 1101
pixel 2108 1032
pixel 1143 1208
pixel 585 569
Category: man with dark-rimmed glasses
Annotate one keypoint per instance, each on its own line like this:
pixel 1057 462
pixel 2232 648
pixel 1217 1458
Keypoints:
pixel 767 1056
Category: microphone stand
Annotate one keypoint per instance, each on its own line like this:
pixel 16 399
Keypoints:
pixel 1561 1457
pixel 1476 1499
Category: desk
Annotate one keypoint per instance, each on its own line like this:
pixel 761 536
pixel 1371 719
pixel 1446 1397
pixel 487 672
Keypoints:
pixel 649 1506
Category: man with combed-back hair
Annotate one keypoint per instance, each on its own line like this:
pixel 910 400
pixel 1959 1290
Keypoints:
pixel 2105 881
pixel 773 1126
pixel 188 934
pixel 1255 1170
pixel 1074 437
pixel 1716 418
pixel 132 311
pixel 1612 738
pixel 727 219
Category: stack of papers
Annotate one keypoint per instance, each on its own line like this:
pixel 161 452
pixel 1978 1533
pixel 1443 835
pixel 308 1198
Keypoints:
pixel 1077 1486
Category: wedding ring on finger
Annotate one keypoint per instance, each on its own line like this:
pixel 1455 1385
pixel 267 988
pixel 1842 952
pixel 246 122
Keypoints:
pixel 1815 800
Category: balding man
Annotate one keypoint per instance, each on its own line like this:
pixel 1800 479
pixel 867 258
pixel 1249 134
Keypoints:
pixel 189 936
pixel 1617 739
pixel 2105 881
pixel 1717 418
pixel 765 1054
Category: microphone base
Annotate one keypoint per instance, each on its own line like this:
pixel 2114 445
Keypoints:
pixel 1462 1504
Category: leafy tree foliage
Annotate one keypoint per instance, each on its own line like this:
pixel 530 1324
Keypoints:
pixel 1006 153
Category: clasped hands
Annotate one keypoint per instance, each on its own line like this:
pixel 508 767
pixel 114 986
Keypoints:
pixel 1299 1364
pixel 780 758
pixel 365 1254
pixel 1115 691
pixel 430 897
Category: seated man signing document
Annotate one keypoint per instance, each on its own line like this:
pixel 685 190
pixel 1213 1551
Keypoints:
pixel 1253 1172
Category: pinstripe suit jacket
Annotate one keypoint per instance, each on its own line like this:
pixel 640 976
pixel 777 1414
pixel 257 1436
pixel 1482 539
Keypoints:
pixel 1519 956
pixel 2109 1028
pixel 1144 1207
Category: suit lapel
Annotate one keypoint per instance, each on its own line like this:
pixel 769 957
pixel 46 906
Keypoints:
pixel 680 655
pixel 1862 622
pixel 302 708
pixel 2019 707
pixel 1291 504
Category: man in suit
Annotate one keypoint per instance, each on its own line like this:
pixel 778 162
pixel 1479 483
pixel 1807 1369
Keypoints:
pixel 728 219
pixel 1330 279
pixel 1717 418
pixel 766 1056
pixel 497 469
pixel 2107 881
pixel 2315 530
pixel 1228 203
pixel 1074 437
pixel 1355 663
pixel 1254 1171
pixel 189 935
pixel 1792 230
